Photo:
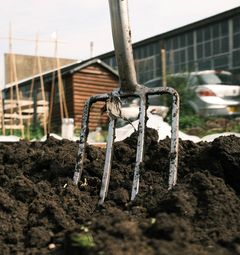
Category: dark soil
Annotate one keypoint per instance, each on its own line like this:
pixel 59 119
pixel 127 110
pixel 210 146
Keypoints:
pixel 41 212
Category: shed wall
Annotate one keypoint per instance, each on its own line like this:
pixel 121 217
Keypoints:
pixel 56 113
pixel 87 82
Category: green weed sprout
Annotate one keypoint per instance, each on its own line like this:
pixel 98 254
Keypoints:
pixel 84 240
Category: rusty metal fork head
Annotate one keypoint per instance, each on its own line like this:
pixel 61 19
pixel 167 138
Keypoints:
pixel 128 87
pixel 143 94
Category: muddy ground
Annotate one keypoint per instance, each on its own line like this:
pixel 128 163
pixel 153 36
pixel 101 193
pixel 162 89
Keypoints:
pixel 41 212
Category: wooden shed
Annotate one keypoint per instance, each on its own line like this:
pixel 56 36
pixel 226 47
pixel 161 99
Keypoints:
pixel 80 81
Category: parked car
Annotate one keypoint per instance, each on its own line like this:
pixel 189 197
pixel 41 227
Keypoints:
pixel 214 93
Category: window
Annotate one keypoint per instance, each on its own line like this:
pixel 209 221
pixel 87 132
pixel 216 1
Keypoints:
pixel 191 66
pixel 204 64
pixel 158 66
pixel 200 51
pixel 224 28
pixel 182 56
pixel 236 25
pixel 236 58
pixel 182 41
pixel 175 43
pixel 207 33
pixel 221 62
pixel 224 44
pixel 190 38
pixel 156 48
pixel 168 44
pixel 190 53
pixel 207 49
pixel 236 41
pixel 215 29
pixel 216 46
pixel 24 92
pixel 176 57
pixel 144 51
pixel 145 69
pixel 150 50
pixel 199 36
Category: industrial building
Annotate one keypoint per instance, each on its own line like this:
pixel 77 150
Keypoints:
pixel 211 43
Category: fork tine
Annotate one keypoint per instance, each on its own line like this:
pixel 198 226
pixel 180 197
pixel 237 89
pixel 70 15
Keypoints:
pixel 140 146
pixel 82 142
pixel 174 141
pixel 140 143
pixel 108 161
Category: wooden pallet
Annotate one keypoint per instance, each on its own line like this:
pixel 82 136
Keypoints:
pixel 11 112
pixel 13 127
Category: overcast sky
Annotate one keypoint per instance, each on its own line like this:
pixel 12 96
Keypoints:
pixel 78 22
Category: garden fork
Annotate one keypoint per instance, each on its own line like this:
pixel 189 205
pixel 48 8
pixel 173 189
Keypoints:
pixel 128 88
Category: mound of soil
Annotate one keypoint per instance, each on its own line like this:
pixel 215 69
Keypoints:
pixel 42 212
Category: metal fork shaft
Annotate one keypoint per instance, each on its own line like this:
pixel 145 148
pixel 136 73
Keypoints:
pixel 122 43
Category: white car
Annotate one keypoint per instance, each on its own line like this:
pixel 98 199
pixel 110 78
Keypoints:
pixel 214 93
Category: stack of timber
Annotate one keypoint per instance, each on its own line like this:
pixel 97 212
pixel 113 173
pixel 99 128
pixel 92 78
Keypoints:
pixel 12 116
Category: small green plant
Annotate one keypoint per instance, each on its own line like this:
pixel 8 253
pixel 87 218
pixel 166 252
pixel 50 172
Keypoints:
pixel 190 121
pixel 31 132
pixel 180 84
pixel 14 132
pixel 236 129
pixel 84 240
pixel 36 132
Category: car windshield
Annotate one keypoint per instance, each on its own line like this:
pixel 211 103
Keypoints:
pixel 153 83
pixel 216 78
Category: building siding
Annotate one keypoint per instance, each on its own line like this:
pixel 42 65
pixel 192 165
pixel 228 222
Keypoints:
pixel 212 43
pixel 80 82
pixel 87 82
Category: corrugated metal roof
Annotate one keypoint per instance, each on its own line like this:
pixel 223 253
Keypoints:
pixel 67 69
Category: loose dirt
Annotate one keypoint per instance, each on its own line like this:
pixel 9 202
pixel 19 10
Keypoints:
pixel 42 212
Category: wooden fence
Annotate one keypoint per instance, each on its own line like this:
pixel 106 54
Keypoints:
pixel 11 113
